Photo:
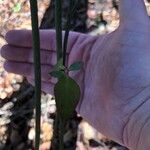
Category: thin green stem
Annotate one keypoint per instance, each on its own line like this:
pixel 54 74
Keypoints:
pixel 55 140
pixel 37 70
pixel 61 134
pixel 71 11
pixel 67 33
pixel 58 24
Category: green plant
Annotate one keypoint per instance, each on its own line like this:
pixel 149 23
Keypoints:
pixel 16 8
pixel 66 90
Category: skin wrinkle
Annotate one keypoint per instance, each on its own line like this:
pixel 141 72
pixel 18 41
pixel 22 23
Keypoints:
pixel 75 51
pixel 102 41
pixel 8 68
pixel 125 63
pixel 125 137
pixel 87 51
pixel 82 55
pixel 85 57
pixel 11 40
pixel 27 34
pixel 142 127
pixel 145 133
pixel 142 122
pixel 138 97
pixel 30 70
pixel 45 57
pixel 73 44
pixel 129 99
pixel 127 86
pixel 50 59
pixel 6 47
pixel 109 73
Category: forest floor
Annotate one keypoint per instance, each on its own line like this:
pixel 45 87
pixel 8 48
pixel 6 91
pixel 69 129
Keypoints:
pixel 15 14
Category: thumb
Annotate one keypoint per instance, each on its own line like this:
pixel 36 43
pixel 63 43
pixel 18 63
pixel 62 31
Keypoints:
pixel 133 12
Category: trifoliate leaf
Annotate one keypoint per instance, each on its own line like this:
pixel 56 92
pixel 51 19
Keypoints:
pixel 76 66
pixel 67 95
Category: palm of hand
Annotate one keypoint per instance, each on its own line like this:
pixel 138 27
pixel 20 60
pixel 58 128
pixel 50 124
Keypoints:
pixel 117 82
pixel 116 74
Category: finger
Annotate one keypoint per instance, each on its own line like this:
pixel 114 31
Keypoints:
pixel 22 54
pixel 27 69
pixel 133 11
pixel 23 38
pixel 45 86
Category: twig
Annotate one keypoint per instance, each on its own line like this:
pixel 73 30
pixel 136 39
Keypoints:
pixel 58 24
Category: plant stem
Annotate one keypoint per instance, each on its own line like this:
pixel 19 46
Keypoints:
pixel 66 34
pixel 58 24
pixel 61 134
pixel 37 70
pixel 55 140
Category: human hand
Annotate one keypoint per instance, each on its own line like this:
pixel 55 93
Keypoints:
pixel 116 76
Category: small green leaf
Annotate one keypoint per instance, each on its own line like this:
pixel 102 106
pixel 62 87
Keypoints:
pixel 67 95
pixel 76 66
pixel 57 74
pixel 59 66
pixel 17 8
